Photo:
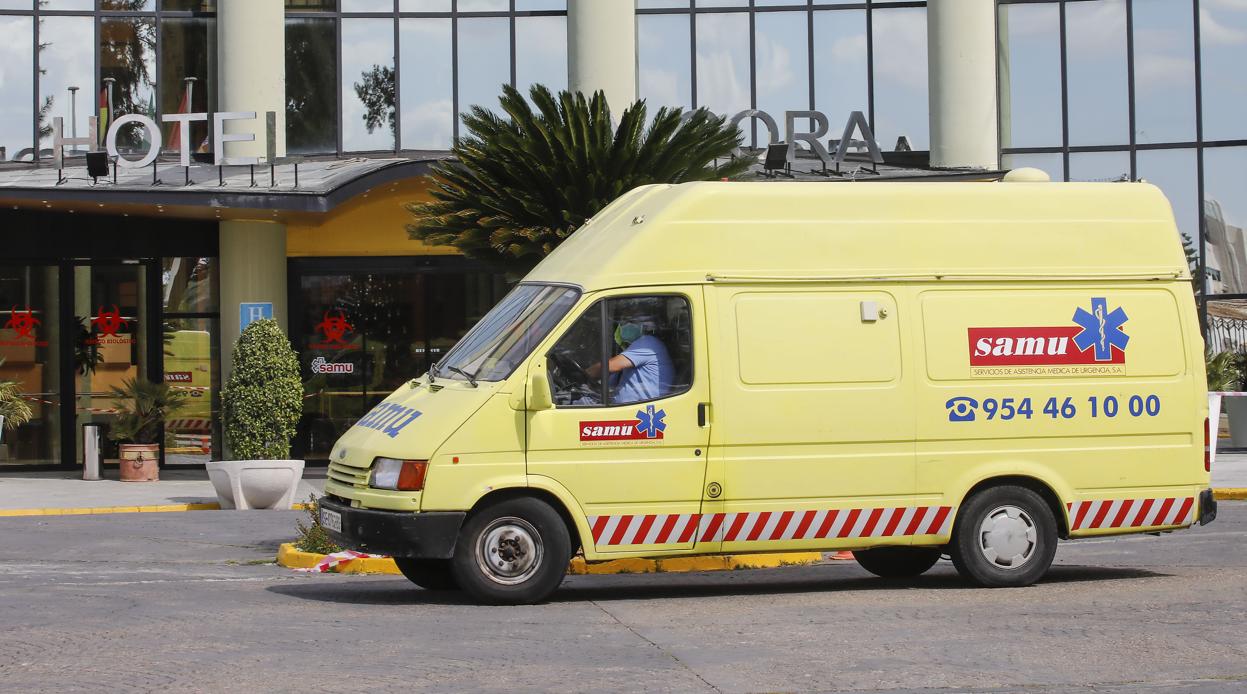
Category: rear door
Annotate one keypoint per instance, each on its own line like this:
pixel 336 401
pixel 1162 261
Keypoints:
pixel 636 463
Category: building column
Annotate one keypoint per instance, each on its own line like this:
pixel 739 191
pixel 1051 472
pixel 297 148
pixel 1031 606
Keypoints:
pixel 961 74
pixel 252 270
pixel 601 50
pixel 251 71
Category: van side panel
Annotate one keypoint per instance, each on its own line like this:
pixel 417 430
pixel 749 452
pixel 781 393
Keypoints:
pixel 813 417
pixel 1089 388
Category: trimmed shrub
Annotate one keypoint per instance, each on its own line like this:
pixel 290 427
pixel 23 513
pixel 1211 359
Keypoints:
pixel 263 400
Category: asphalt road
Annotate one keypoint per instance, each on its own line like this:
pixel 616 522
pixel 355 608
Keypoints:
pixel 144 602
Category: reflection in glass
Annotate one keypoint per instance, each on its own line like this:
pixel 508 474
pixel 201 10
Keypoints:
pixel 533 5
pixel 648 4
pixel 664 70
pixel 189 5
pixel 1164 71
pixel 128 58
pixel 423 5
pixel 1174 172
pixel 185 47
pixel 367 5
pixel 311 108
pixel 192 364
pixel 311 5
pixel 1030 76
pixel 1096 69
pixel 901 107
pixel 1099 166
pixel 483 6
pixel 428 95
pixel 128 5
pixel 16 4
pixel 1225 213
pixel 723 62
pixel 189 285
pixel 840 84
pixel 65 61
pixel 63 5
pixel 781 53
pixel 1048 163
pixel 30 349
pixel 484 62
pixel 367 84
pixel 541 52
pixel 17 55
pixel 1223 53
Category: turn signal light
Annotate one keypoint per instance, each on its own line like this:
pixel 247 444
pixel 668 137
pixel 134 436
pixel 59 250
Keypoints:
pixel 399 475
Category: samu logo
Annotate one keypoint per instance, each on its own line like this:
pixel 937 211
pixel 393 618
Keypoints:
pixel 389 418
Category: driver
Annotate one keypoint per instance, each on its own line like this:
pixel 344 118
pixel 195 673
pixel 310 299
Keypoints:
pixel 643 370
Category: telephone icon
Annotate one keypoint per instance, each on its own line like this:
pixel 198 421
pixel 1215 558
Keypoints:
pixel 961 409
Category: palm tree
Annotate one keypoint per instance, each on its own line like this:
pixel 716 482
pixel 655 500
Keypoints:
pixel 521 183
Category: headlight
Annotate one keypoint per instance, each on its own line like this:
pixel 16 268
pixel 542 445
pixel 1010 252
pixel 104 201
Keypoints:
pixel 399 475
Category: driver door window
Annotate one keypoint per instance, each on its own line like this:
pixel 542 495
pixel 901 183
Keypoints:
pixel 645 343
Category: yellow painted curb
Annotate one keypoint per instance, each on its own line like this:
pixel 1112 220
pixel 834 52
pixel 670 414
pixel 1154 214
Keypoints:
pixel 292 558
pixel 165 508
pixel 1230 494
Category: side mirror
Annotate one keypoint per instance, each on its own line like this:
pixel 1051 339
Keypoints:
pixel 539 397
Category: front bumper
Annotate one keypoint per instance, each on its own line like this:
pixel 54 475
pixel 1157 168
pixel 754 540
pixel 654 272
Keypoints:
pixel 396 533
pixel 1207 507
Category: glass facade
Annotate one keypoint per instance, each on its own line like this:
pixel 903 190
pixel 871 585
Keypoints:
pixel 1139 89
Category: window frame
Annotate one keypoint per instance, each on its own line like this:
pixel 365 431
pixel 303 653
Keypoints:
pixel 605 337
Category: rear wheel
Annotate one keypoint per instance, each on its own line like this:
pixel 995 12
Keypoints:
pixel 430 574
pixel 513 552
pixel 1004 537
pixel 897 562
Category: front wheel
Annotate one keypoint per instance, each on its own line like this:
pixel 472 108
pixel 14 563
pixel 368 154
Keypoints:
pixel 897 562
pixel 1004 537
pixel 430 574
pixel 513 552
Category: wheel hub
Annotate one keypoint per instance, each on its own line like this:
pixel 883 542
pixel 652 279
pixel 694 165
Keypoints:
pixel 509 551
pixel 1007 537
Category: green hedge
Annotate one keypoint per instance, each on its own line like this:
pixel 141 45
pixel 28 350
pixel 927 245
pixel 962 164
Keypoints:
pixel 263 400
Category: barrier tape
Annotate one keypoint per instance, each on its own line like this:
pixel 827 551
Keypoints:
pixel 332 560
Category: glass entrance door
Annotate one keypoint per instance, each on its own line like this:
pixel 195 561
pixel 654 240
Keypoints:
pixel 30 357
pixel 109 345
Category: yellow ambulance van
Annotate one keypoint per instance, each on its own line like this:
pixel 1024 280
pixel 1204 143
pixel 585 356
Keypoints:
pixel 903 370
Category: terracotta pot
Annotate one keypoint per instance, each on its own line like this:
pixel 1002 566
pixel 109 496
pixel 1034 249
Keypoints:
pixel 140 462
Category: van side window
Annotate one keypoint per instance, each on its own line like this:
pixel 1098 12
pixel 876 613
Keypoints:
pixel 645 343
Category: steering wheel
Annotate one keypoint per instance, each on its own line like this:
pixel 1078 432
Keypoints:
pixel 568 368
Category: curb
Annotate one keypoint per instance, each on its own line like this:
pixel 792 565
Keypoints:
pixel 292 558
pixel 161 508
pixel 1230 494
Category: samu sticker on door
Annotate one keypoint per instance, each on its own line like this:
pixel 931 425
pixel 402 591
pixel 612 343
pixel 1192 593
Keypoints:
pixel 1095 345
pixel 647 427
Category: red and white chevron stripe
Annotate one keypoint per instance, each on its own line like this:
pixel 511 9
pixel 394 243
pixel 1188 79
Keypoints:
pixel 770 526
pixel 1130 513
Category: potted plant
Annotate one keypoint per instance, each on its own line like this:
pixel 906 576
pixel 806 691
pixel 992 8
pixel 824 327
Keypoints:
pixel 14 410
pixel 142 407
pixel 261 406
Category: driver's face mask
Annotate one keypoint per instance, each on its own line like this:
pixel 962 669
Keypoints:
pixel 627 333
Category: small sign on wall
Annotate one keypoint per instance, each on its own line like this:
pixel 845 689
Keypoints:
pixel 250 312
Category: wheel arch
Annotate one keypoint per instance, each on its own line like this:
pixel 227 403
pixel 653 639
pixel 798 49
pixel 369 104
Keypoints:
pixel 560 506
pixel 1044 489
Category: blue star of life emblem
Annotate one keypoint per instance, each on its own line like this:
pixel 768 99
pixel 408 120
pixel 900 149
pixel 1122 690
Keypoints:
pixel 1101 329
pixel 650 422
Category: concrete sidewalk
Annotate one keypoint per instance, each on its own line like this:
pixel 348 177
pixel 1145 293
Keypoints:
pixel 30 490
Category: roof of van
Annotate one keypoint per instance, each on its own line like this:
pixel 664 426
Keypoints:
pixel 731 231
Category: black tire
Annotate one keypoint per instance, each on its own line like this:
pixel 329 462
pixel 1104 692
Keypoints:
pixel 897 562
pixel 430 574
pixel 528 549
pixel 1013 519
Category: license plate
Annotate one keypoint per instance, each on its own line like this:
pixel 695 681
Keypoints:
pixel 332 520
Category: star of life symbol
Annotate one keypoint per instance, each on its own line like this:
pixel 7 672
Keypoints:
pixel 1101 329
pixel 23 322
pixel 650 422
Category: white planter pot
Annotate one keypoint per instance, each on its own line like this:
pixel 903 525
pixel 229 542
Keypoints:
pixel 255 484
pixel 1236 410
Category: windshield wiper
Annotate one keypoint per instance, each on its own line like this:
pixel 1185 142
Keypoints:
pixel 471 378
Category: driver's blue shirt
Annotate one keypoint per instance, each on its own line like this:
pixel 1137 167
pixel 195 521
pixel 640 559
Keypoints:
pixel 651 374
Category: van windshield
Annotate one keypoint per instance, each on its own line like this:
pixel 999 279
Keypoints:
pixel 507 334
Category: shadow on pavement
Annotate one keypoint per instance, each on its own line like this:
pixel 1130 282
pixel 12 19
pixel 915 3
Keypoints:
pixel 666 586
